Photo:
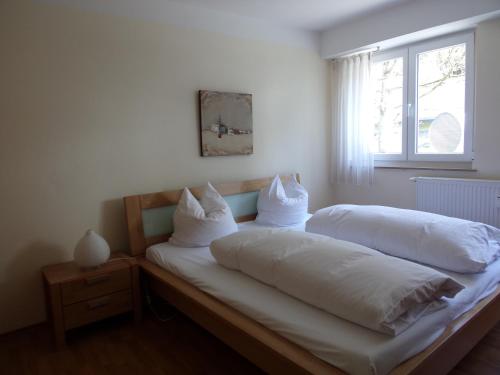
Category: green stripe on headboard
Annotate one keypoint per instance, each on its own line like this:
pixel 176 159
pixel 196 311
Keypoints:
pixel 158 221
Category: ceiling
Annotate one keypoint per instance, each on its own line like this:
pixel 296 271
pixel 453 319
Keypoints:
pixel 314 15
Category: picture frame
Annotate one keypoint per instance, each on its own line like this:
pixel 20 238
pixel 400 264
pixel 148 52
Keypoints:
pixel 226 123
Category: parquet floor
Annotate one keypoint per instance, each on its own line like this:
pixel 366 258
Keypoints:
pixel 178 346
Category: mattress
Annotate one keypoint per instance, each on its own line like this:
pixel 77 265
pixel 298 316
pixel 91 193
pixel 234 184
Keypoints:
pixel 352 348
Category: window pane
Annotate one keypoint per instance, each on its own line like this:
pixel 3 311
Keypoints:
pixel 388 106
pixel 441 101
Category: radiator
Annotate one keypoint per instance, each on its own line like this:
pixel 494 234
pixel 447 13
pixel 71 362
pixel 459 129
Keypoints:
pixel 476 200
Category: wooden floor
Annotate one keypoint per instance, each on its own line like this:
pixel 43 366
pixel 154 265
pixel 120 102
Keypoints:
pixel 178 346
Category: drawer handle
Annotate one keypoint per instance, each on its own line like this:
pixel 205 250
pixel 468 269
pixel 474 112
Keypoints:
pixel 96 303
pixel 97 279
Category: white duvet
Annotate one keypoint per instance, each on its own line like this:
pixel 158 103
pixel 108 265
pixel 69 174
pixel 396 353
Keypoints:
pixel 440 241
pixel 361 285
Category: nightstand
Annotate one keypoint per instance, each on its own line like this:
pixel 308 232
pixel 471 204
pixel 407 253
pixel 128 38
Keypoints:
pixel 76 297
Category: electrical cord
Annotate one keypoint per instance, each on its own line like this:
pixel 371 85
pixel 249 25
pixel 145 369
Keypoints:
pixel 149 301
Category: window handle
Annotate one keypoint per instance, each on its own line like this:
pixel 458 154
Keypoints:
pixel 409 111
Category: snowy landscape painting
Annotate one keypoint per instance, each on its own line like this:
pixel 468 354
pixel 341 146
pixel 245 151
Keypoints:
pixel 225 123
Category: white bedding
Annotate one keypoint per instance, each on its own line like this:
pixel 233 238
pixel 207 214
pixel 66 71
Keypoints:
pixel 251 225
pixel 364 286
pixel 440 241
pixel 348 346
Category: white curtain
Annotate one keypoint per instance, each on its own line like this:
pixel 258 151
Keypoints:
pixel 352 127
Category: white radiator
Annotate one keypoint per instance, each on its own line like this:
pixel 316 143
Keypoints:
pixel 476 200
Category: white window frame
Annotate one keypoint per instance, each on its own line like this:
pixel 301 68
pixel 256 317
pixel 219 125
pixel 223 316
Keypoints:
pixel 410 128
pixel 388 55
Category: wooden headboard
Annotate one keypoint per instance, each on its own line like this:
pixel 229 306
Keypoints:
pixel 156 210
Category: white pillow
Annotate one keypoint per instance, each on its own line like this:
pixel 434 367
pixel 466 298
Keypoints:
pixel 196 224
pixel 282 206
pixel 440 241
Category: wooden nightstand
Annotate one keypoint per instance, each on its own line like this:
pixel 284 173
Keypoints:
pixel 76 297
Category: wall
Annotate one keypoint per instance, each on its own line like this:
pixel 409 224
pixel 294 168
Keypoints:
pixel 204 18
pixel 94 107
pixel 487 132
pixel 392 187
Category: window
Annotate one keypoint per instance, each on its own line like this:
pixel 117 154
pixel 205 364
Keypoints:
pixel 423 101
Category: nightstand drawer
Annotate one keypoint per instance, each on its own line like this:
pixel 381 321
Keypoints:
pixel 98 308
pixel 95 286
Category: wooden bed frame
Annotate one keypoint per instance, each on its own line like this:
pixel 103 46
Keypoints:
pixel 265 348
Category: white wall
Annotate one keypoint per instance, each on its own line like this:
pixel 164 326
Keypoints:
pixel 94 107
pixel 406 23
pixel 487 131
pixel 392 187
pixel 186 14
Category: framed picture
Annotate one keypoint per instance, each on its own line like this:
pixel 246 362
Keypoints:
pixel 225 123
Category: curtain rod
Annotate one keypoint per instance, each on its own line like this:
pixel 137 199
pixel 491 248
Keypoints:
pixel 357 52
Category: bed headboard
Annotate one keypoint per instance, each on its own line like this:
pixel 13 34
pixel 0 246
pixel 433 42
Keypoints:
pixel 149 216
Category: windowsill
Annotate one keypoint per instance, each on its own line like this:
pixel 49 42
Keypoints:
pixel 426 165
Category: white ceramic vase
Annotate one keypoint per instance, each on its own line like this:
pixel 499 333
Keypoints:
pixel 91 251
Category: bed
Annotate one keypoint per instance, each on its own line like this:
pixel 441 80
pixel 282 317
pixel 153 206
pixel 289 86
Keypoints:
pixel 185 279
